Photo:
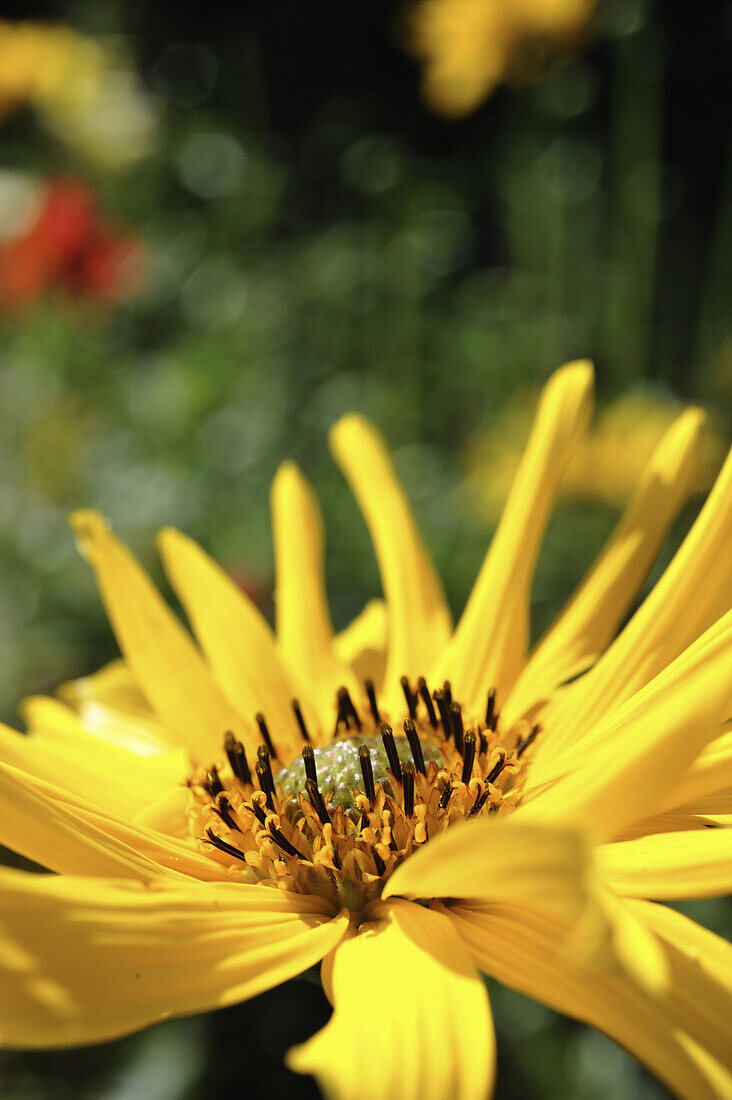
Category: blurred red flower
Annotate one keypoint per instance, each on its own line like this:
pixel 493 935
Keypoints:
pixel 69 248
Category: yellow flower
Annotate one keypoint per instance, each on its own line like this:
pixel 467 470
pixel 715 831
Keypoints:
pixel 470 46
pixel 212 837
pixel 87 96
pixel 605 463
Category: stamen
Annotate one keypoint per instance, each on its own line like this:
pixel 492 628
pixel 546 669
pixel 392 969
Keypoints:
pixel 480 801
pixel 308 759
pixel 300 721
pixel 264 731
pixel 445 796
pixel 223 846
pixel 483 744
pixel 283 842
pixel 439 698
pixel 496 769
pixel 415 745
pixel 364 758
pixel 408 781
pixel 237 759
pixel 264 775
pixel 348 710
pixel 387 736
pixel 409 696
pixel 258 809
pixel 424 691
pixel 212 782
pixel 371 692
pixel 223 809
pixel 491 718
pixel 317 802
pixel 447 688
pixel 456 721
pixel 468 755
pixel 528 740
pixel 378 862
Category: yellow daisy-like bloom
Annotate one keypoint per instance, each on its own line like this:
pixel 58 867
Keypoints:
pixel 470 46
pixel 605 463
pixel 222 816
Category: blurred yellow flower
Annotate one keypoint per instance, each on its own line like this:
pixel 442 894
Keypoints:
pixel 225 813
pixel 605 464
pixel 470 46
pixel 85 93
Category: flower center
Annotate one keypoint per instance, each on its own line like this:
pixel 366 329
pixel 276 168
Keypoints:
pixel 339 818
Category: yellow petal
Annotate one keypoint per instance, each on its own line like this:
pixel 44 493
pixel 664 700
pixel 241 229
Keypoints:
pixel 59 750
pixel 549 868
pixel 411 1017
pixel 235 637
pixel 419 619
pixel 50 832
pixel 710 772
pixel 526 951
pixel 700 995
pixel 362 645
pixel 159 652
pixel 693 863
pixel 491 635
pixel 85 960
pixel 691 594
pixel 304 627
pixel 589 621
pixel 628 762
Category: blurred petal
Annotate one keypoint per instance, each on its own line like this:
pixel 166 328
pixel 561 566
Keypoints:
pixel 160 653
pixel 589 621
pixel 429 1034
pixel 362 645
pixel 692 593
pixel 526 951
pixel 492 634
pixel 710 772
pixel 304 627
pixel 419 619
pixel 83 960
pixel 234 635
pixel 628 762
pixel 692 863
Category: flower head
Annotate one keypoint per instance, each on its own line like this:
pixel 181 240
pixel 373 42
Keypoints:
pixel 407 802
pixel 470 46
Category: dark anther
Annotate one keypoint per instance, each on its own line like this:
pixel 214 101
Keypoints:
pixel 264 731
pixel 447 688
pixel 483 744
pixel 468 755
pixel 408 781
pixel 496 769
pixel 409 696
pixel 223 809
pixel 480 801
pixel 528 740
pixel 378 862
pixel 300 721
pixel 266 779
pixel 364 757
pixel 259 813
pixel 491 718
pixel 308 759
pixel 223 846
pixel 237 758
pixel 445 796
pixel 415 745
pixel 494 807
pixel 387 736
pixel 347 709
pixel 456 721
pixel 439 698
pixel 317 802
pixel 212 782
pixel 424 691
pixel 371 692
pixel 284 843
